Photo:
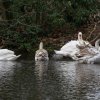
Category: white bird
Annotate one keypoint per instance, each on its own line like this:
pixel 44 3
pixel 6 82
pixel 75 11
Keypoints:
pixel 41 53
pixel 6 54
pixel 70 49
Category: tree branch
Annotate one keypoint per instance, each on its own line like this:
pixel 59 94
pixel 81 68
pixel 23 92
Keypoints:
pixel 95 26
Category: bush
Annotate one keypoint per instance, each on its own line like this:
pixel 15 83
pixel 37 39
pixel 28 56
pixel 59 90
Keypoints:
pixel 26 19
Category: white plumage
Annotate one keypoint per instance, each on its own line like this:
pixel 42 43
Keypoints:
pixel 70 49
pixel 81 50
pixel 6 54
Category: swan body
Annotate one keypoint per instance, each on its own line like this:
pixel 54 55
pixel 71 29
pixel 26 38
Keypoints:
pixel 69 49
pixel 41 54
pixel 6 54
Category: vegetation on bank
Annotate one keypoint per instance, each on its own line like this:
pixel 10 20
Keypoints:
pixel 24 23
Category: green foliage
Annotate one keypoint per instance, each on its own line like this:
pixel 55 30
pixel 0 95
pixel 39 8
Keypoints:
pixel 28 18
pixel 56 20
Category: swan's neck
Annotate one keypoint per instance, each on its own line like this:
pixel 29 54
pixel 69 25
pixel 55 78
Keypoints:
pixel 97 44
pixel 80 39
pixel 41 45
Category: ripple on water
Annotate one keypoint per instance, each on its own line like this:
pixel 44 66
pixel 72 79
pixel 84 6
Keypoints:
pixel 53 80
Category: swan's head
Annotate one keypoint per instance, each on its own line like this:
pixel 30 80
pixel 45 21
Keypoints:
pixel 80 36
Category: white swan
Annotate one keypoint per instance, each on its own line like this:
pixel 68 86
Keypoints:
pixel 70 49
pixel 6 54
pixel 41 53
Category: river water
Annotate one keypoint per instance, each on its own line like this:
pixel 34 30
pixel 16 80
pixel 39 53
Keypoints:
pixel 53 80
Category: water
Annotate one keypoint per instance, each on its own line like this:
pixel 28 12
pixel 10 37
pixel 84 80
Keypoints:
pixel 53 80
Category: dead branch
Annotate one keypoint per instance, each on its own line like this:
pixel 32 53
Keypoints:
pixel 95 26
pixel 95 38
pixel 97 34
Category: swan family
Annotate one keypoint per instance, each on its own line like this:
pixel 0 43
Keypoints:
pixel 71 49
pixel 81 50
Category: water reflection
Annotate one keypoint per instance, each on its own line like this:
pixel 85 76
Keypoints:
pixel 6 73
pixel 63 80
pixel 41 68
pixel 88 81
pixel 17 81
pixel 6 70
pixel 72 81
pixel 53 80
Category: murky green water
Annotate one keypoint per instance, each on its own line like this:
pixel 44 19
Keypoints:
pixel 53 80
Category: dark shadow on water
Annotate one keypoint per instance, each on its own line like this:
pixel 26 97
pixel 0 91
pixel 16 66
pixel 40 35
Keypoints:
pixel 52 80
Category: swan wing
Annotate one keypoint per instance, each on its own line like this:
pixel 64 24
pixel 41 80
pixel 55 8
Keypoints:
pixel 9 57
pixel 61 52
pixel 14 57
pixel 70 44
pixel 5 51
